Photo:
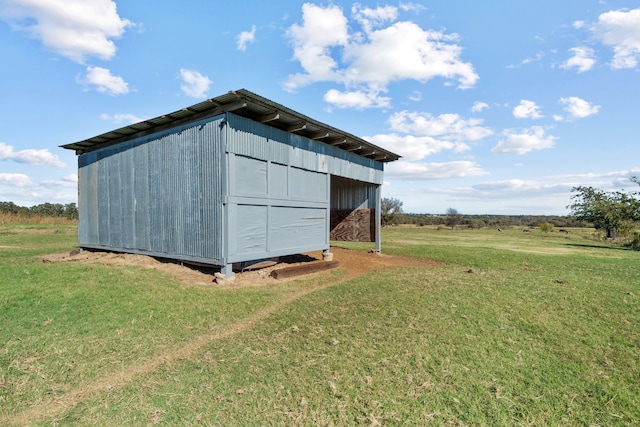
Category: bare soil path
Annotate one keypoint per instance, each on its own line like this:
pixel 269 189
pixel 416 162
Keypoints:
pixel 356 263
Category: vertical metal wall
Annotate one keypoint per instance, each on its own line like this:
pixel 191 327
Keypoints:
pixel 160 195
pixel 287 191
pixel 278 200
pixel 218 191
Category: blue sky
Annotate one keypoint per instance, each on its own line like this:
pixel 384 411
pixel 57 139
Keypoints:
pixel 496 106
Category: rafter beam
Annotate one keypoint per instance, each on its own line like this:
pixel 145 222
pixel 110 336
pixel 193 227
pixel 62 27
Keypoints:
pixel 318 135
pixel 354 148
pixel 339 141
pixel 269 117
pixel 236 105
pixel 296 127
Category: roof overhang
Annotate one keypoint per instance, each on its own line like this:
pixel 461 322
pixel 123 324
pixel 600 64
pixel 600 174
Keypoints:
pixel 246 104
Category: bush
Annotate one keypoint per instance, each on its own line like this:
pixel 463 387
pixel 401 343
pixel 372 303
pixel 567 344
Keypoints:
pixel 546 227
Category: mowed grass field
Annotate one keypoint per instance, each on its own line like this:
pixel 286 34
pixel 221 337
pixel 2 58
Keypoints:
pixel 530 329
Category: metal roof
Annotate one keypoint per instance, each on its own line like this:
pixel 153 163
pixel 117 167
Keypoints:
pixel 247 104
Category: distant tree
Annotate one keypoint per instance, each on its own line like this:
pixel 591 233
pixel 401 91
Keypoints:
pixel 71 211
pixel 390 209
pixel 453 218
pixel 546 227
pixel 614 211
pixel 48 209
pixel 12 208
pixel 476 223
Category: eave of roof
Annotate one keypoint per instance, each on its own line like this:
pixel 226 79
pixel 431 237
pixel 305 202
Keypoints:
pixel 247 104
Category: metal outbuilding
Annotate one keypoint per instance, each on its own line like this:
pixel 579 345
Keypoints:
pixel 232 179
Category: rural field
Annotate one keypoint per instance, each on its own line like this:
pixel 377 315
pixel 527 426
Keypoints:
pixel 448 327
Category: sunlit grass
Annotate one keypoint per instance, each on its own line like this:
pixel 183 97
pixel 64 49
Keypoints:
pixel 515 329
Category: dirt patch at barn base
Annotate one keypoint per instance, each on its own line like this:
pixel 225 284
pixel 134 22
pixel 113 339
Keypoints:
pixel 354 262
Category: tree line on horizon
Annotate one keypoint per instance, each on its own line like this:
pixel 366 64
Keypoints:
pixel 454 219
pixel 392 214
pixel 613 211
pixel 68 210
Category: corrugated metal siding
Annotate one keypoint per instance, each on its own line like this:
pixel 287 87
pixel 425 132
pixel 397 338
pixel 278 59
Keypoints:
pixel 159 194
pixel 221 190
pixel 253 139
pixel 141 189
pixel 278 194
pixel 349 194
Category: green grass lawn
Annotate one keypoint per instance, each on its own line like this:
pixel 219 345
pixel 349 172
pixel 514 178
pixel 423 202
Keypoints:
pixel 514 329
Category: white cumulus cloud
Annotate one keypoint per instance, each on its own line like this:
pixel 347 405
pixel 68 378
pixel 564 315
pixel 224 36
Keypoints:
pixel 531 139
pixel 479 106
pixel 356 99
pixel 121 118
pixel 582 59
pixel 414 148
pixel 15 180
pixel 432 171
pixel 368 61
pixel 194 84
pixel 446 126
pixel 406 51
pixel 321 30
pixel 579 108
pixel 415 96
pixel 411 7
pixel 369 18
pixel 527 110
pixel 76 29
pixel 104 82
pixel 36 157
pixel 416 136
pixel 620 30
pixel 67 181
pixel 246 37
